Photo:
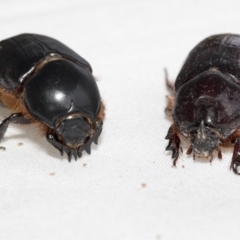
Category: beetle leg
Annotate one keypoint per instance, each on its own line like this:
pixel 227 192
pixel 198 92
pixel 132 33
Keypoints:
pixel 58 145
pixel 87 146
pixel 70 153
pixel 211 158
pixel 52 138
pixel 79 153
pixel 189 151
pixel 219 153
pixel 169 84
pixel 235 164
pixel 174 143
pixel 94 138
pixel 98 130
pixel 54 141
pixel 14 118
pixel 74 153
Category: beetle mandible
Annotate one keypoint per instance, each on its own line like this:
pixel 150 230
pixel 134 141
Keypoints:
pixel 43 81
pixel 205 105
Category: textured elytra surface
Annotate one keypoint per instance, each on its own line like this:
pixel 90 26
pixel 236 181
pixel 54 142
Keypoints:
pixel 206 94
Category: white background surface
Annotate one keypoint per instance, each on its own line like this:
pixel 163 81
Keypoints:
pixel 102 195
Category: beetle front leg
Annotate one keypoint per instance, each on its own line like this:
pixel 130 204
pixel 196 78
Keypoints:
pixel 52 138
pixel 174 143
pixel 63 148
pixel 169 84
pixel 235 164
pixel 14 118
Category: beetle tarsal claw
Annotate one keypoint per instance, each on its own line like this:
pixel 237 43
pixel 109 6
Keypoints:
pixel 69 156
pixel 88 146
pixel 96 136
pixel 174 144
pixel 74 153
pixel 98 131
pixel 79 153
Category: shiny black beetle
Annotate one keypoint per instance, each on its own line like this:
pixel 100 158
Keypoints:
pixel 44 82
pixel 205 105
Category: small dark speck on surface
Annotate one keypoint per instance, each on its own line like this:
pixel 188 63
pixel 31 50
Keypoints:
pixel 52 173
pixel 144 185
pixel 20 144
pixel 183 166
pixel 2 148
pixel 84 164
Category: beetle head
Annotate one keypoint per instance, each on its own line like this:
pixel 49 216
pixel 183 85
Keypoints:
pixel 74 130
pixel 204 140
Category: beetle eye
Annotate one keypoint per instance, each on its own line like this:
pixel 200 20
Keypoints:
pixel 74 131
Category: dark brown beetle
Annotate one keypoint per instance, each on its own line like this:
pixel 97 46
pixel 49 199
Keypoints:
pixel 44 82
pixel 205 105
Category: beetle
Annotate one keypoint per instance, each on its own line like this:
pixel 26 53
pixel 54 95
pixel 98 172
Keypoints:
pixel 44 82
pixel 205 104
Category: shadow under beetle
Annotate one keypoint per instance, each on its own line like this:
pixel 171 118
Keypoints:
pixel 44 82
pixel 205 104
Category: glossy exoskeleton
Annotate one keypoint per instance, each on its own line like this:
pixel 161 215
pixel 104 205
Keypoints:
pixel 205 105
pixel 44 82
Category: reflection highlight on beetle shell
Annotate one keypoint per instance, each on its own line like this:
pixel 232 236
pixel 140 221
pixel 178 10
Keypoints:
pixel 59 96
